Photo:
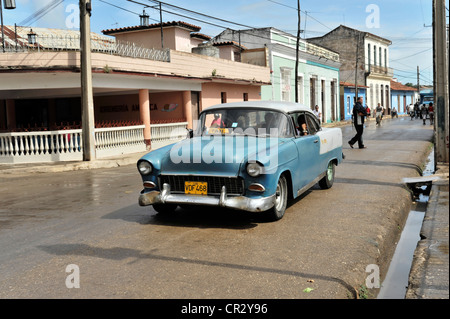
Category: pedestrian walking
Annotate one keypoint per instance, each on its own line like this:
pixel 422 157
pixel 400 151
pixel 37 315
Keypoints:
pixel 416 109
pixel 368 112
pixel 424 113
pixel 379 114
pixel 411 111
pixel 431 113
pixel 359 112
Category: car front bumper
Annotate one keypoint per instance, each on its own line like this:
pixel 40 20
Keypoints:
pixel 234 202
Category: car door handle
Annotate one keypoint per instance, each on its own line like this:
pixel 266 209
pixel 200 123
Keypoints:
pixel 316 141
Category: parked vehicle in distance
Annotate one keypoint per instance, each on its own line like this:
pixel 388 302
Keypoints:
pixel 250 156
pixel 426 97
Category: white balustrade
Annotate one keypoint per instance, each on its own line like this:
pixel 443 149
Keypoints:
pixel 171 132
pixel 66 145
pixel 113 141
pixel 42 146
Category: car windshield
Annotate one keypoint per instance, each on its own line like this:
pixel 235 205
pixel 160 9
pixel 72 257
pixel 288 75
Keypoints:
pixel 244 121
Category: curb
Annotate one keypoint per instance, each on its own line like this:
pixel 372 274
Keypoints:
pixel 429 275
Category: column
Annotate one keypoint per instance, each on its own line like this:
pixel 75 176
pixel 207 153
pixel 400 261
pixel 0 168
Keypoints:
pixel 52 113
pixel 187 108
pixel 10 115
pixel 144 109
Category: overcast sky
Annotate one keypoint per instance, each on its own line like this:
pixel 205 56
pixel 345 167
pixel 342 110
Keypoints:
pixel 407 23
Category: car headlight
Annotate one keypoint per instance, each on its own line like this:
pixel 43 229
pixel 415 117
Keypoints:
pixel 254 169
pixel 145 167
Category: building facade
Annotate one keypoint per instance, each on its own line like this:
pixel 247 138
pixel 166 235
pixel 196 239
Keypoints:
pixel 364 61
pixel 402 96
pixel 348 98
pixel 318 69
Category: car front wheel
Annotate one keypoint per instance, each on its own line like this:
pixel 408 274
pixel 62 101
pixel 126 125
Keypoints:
pixel 281 195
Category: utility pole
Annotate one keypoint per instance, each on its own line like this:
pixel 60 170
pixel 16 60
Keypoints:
pixel 356 68
pixel 440 77
pixel 87 99
pixel 160 21
pixel 296 51
pixel 418 83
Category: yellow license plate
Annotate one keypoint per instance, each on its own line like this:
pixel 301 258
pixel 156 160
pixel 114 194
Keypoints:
pixel 196 188
pixel 218 130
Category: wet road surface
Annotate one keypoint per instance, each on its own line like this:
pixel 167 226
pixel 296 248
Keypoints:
pixel 91 219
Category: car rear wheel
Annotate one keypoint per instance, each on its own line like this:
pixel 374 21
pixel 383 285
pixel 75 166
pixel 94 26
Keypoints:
pixel 327 181
pixel 281 195
pixel 165 208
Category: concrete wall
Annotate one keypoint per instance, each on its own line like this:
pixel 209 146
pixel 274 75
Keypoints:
pixel 181 64
pixel 211 93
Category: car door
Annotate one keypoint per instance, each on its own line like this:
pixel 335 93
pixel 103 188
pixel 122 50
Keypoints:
pixel 308 148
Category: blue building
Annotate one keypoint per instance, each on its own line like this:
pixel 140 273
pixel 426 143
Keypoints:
pixel 348 98
pixel 402 96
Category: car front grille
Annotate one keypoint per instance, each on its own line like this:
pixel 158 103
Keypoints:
pixel 234 185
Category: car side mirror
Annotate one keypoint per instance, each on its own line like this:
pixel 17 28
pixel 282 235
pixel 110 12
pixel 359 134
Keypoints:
pixel 190 133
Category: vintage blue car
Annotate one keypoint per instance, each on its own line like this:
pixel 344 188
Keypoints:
pixel 250 156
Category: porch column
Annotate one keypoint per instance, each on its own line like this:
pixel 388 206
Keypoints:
pixel 187 107
pixel 51 112
pixel 10 115
pixel 144 109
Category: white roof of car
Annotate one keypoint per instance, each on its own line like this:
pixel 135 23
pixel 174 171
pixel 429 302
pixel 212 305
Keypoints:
pixel 287 107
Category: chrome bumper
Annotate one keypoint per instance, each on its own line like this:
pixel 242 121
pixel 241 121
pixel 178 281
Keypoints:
pixel 235 202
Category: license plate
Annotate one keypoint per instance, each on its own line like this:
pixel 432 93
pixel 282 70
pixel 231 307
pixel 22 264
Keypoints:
pixel 196 188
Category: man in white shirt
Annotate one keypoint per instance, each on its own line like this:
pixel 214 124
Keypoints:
pixel 318 113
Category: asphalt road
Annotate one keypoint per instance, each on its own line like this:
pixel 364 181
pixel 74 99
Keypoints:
pixel 91 221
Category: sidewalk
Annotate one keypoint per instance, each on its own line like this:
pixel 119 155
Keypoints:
pixel 55 167
pixel 429 276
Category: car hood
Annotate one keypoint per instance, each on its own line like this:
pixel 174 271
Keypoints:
pixel 218 155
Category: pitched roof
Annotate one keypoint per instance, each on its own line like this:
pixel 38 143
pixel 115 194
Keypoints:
pixel 365 33
pixel 232 43
pixel 200 36
pixel 181 24
pixel 349 84
pixel 397 86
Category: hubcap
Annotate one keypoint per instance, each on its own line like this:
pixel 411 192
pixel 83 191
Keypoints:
pixel 278 197
pixel 330 172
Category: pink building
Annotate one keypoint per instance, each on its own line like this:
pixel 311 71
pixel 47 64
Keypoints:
pixel 137 80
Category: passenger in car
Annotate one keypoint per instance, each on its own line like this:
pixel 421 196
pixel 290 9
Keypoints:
pixel 302 127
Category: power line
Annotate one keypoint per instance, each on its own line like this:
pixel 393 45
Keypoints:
pixel 412 55
pixel 198 13
pixel 181 15
pixel 40 13
pixel 296 9
pixel 119 7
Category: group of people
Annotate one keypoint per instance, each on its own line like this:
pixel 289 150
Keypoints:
pixel 360 113
pixel 424 112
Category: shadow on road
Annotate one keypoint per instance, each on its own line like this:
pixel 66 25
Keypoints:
pixel 195 216
pixel 118 253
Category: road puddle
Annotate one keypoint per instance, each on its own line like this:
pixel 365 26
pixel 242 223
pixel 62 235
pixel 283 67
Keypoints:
pixel 395 283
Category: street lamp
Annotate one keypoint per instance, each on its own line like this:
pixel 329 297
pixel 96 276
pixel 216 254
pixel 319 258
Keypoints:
pixel 31 37
pixel 144 19
pixel 9 4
